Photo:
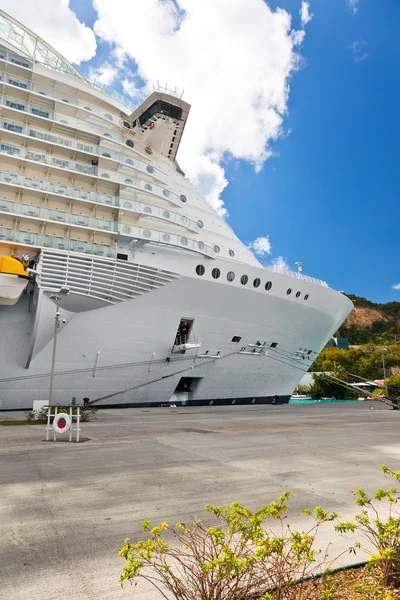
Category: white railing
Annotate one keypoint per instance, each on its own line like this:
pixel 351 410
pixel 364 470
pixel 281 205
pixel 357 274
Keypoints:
pixel 40 241
pixel 57 216
pixel 92 149
pixel 91 170
pixel 57 64
pixel 151 236
pixel 298 276
pixel 57 189
pixel 108 280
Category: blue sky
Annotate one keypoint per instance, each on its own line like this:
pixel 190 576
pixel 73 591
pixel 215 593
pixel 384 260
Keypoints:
pixel 329 195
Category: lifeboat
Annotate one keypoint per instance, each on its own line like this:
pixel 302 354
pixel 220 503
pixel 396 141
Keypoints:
pixel 14 278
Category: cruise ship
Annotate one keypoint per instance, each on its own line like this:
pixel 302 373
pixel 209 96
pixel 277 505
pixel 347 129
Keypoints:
pixel 118 281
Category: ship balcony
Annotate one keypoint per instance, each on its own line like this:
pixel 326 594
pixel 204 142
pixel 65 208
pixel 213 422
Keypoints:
pixel 49 162
pixel 11 107
pixel 183 343
pixel 13 129
pixel 57 216
pixel 151 236
pixel 24 67
pixel 37 241
pixel 155 212
pixel 52 189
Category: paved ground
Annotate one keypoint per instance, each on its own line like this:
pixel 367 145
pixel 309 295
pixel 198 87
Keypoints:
pixel 65 509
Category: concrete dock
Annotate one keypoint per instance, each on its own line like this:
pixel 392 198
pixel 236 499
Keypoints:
pixel 65 509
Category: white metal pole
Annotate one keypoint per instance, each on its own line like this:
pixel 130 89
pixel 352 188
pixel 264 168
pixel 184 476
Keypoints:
pixel 53 359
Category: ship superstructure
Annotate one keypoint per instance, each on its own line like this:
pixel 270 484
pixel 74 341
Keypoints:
pixel 92 199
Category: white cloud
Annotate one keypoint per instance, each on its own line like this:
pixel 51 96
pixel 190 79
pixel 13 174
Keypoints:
pixel 57 24
pixel 359 48
pixel 279 264
pixel 305 13
pixel 103 75
pixel 261 246
pixel 233 59
pixel 396 286
pixel 353 5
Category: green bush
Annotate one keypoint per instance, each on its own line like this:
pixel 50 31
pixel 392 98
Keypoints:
pixel 380 532
pixel 232 557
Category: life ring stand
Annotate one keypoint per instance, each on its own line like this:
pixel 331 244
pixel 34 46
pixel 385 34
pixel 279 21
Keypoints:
pixel 151 126
pixel 62 423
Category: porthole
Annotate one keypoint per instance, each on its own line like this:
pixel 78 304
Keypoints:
pixel 211 403
pixel 253 401
pixel 289 292
pixel 147 186
pixel 108 116
pixel 233 401
pixel 200 245
pixel 200 224
pixel 64 100
pixel 147 233
pixel 107 134
pixel 127 205
pixel 306 297
pixel 297 294
pixel 43 94
pixel 150 169
pixel 148 150
pixel 230 276
pixel 129 181
pixel 166 237
pixel 147 209
pixel 244 279
pixel 126 229
pixel 268 285
pixel 105 175
pixel 216 273
pixel 236 339
pixel 106 154
pixel 184 220
pixel 256 282
pixel 129 143
pixel 88 108
pixel 231 253
pixel 200 270
pixel 129 161
pixel 166 192
pixel 166 214
pixel 182 198
pixel 184 241
pixel 217 249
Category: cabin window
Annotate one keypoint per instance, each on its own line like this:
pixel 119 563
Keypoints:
pixel 230 276
pixel 200 270
pixel 268 285
pixel 244 279
pixel 256 282
pixel 216 273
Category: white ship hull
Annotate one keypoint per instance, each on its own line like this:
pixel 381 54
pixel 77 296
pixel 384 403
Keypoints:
pixel 114 347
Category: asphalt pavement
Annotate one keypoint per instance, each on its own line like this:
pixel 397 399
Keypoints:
pixel 65 509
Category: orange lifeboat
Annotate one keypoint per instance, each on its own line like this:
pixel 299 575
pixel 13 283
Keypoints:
pixel 14 278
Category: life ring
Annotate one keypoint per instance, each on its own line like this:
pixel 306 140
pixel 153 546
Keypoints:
pixel 151 126
pixel 61 423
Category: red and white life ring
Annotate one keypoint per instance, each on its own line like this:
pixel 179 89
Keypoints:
pixel 61 423
pixel 151 126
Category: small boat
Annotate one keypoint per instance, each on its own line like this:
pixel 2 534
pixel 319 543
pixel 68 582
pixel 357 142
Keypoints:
pixel 14 278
